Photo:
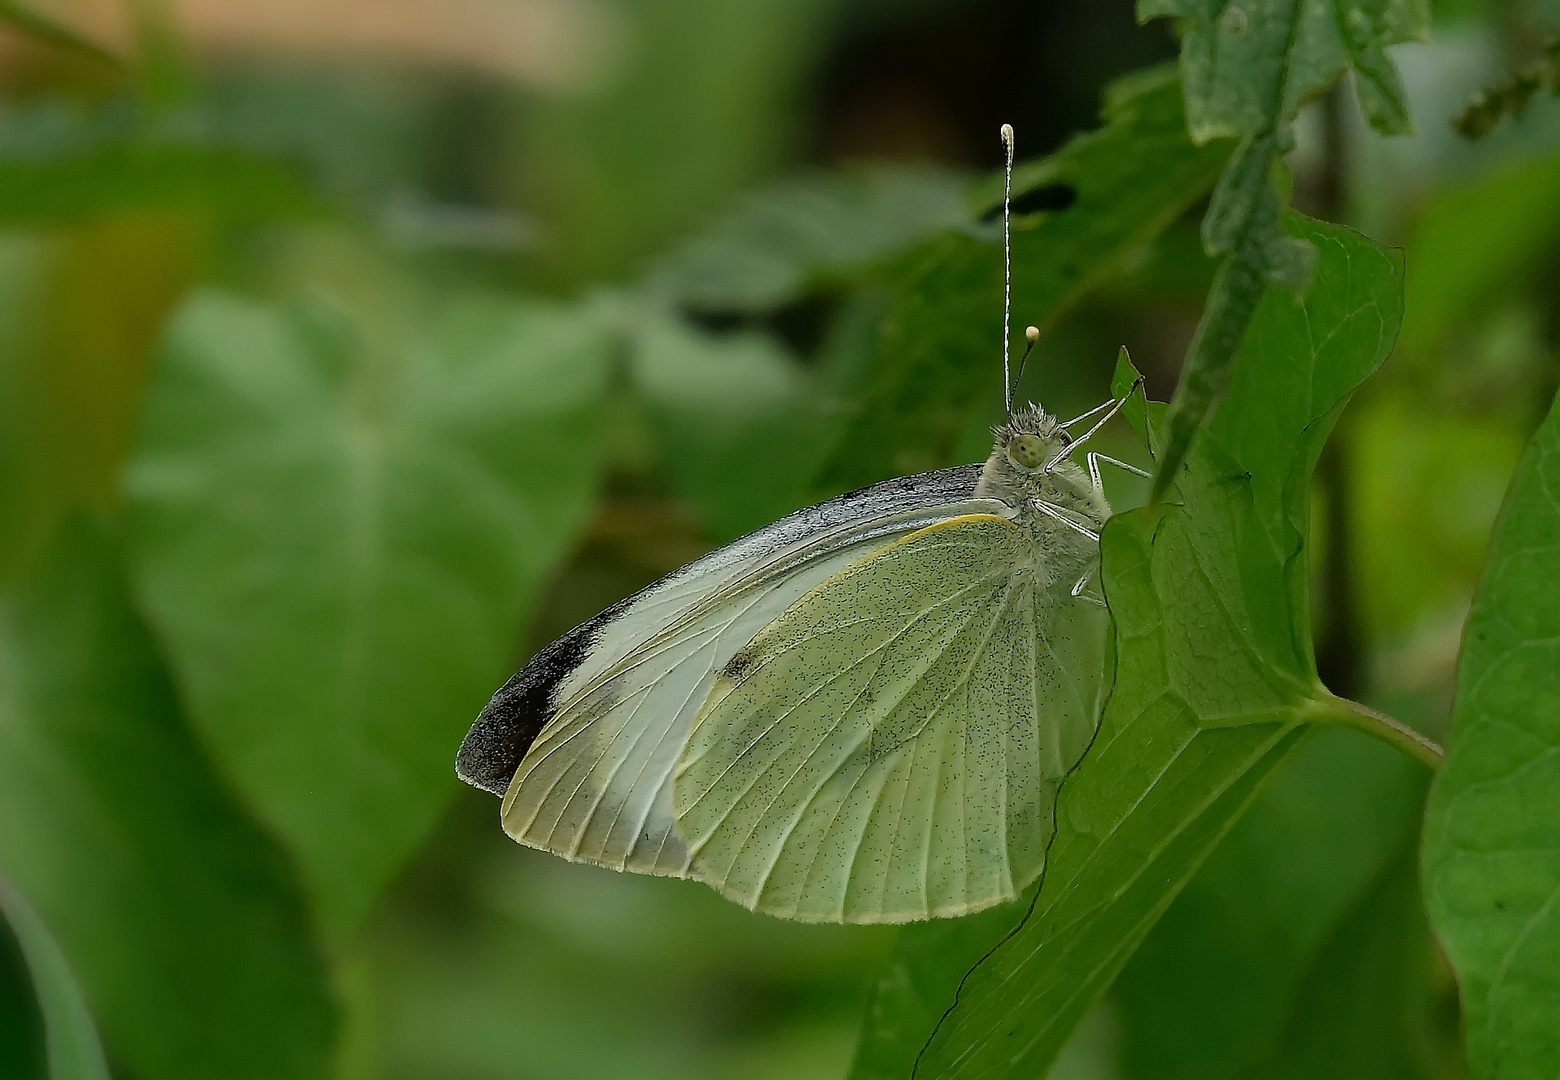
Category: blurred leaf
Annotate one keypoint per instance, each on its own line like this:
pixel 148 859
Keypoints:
pixel 22 524
pixel 780 242
pixel 363 143
pixel 1214 685
pixel 737 419
pixel 339 525
pixel 940 352
pixel 572 973
pixel 39 26
pixel 1208 994
pixel 1091 1052
pixel 21 1022
pixel 1425 492
pixel 1172 269
pixel 1511 96
pixel 1365 1009
pixel 60 165
pixel 1247 68
pixel 1474 242
pixel 81 311
pixel 699 106
pixel 183 922
pixel 740 422
pixel 71 1038
pixel 1492 830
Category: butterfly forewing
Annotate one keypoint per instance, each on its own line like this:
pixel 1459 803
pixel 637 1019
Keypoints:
pixel 595 784
pixel 890 747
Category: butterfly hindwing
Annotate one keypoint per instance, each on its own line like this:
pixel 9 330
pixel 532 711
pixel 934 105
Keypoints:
pixel 890 747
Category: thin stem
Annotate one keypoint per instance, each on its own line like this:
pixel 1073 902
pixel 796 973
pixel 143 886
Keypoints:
pixel 1341 652
pixel 1342 711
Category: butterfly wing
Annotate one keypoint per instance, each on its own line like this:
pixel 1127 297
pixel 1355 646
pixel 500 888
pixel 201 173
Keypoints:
pixel 890 748
pixel 582 741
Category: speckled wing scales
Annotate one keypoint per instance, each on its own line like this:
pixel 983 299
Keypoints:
pixel 891 746
pixel 582 742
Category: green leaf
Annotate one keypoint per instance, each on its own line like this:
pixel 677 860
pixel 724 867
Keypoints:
pixel 1247 68
pixel 914 988
pixel 1238 287
pixel 71 1038
pixel 1215 680
pixel 1123 381
pixel 59 165
pixel 736 416
pixel 1209 993
pixel 183 922
pixel 339 525
pixel 1368 1008
pixel 811 231
pixel 1492 829
pixel 940 351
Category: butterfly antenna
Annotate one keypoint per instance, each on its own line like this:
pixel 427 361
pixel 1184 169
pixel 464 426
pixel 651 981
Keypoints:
pixel 1007 264
pixel 1031 335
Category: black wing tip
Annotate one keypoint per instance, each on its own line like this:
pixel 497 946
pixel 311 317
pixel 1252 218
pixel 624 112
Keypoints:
pixel 508 724
pixel 490 753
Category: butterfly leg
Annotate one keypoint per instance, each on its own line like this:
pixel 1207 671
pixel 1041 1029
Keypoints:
pixel 1102 406
pixel 1115 407
pixel 1077 589
pixel 1054 512
pixel 1094 467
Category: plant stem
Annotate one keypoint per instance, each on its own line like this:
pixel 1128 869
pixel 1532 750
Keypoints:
pixel 1342 711
pixel 1340 653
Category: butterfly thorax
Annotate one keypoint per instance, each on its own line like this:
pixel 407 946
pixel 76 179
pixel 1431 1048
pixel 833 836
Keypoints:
pixel 1028 466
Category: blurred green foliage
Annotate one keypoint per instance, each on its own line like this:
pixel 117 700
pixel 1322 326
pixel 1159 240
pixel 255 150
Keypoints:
pixel 63 1041
pixel 350 480
pixel 345 363
pixel 181 917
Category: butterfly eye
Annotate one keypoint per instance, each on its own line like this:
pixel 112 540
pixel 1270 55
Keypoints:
pixel 1026 450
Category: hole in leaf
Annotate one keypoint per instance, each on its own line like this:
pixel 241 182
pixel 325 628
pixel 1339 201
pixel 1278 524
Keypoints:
pixel 801 324
pixel 1047 198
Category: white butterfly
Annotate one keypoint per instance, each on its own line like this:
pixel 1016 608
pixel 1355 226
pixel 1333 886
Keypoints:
pixel 860 713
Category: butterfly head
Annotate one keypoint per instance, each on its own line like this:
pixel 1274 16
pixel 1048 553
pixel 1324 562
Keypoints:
pixel 1029 461
pixel 1031 439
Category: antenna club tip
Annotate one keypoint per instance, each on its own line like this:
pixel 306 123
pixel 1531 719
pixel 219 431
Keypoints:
pixel 1031 334
pixel 1007 134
